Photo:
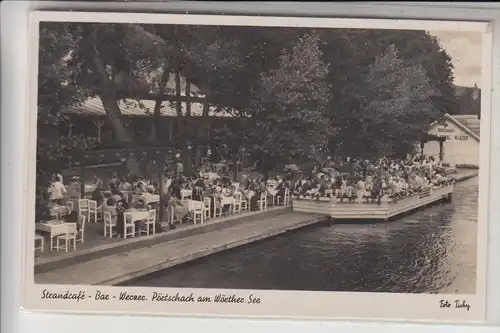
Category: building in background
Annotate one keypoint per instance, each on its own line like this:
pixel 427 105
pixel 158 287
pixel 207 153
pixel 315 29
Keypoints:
pixel 461 147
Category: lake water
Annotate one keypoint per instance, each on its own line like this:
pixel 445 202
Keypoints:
pixel 430 251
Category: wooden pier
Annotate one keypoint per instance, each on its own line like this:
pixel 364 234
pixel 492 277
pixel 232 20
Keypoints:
pixel 123 266
pixel 384 210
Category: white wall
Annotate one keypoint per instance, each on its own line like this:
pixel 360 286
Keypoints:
pixel 459 147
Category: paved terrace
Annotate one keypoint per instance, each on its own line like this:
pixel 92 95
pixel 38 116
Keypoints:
pixel 96 245
pixel 125 263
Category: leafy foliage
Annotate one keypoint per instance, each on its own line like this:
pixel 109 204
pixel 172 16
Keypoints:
pixel 55 92
pixel 300 93
pixel 289 109
pixel 395 110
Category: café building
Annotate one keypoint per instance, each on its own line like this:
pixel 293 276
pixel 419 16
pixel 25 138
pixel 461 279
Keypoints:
pixel 461 147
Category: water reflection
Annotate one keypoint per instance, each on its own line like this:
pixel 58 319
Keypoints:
pixel 430 251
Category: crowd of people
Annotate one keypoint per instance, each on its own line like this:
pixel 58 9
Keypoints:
pixel 370 181
pixel 350 180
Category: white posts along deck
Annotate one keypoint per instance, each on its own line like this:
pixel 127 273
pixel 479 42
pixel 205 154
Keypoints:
pixel 370 210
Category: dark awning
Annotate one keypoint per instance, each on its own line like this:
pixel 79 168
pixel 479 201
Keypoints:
pixel 432 137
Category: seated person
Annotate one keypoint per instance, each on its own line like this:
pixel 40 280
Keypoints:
pixel 97 196
pixel 226 191
pixel 114 198
pixel 141 187
pixel 141 203
pixel 127 186
pixel 198 189
pixel 234 191
pixel 72 217
pixel 115 181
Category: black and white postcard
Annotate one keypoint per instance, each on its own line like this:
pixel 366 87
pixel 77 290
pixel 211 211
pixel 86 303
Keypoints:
pixel 276 167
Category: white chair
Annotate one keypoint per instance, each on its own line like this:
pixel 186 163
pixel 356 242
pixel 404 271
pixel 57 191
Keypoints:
pixel 274 198
pixel 110 209
pixel 109 225
pixel 70 206
pixel 128 225
pixel 81 220
pixel 171 215
pixel 100 211
pixel 62 213
pixel 198 209
pixel 92 212
pixel 286 197
pixel 207 207
pixel 151 221
pixel 40 240
pixel 68 238
pixel 237 204
pixel 263 201
pixel 244 203
pixel 217 208
pixel 83 207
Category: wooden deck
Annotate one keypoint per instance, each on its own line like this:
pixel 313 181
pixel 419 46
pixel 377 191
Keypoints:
pixel 362 210
pixel 124 266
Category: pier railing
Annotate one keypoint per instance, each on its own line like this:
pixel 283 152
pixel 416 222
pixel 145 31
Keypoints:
pixel 375 209
pixel 426 192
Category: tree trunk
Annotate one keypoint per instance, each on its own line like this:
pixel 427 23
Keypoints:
pixel 114 115
pixel 204 126
pixel 156 128
pixel 235 167
pixel 178 104
pixel 188 99
pixel 182 124
pixel 109 101
pixel 161 177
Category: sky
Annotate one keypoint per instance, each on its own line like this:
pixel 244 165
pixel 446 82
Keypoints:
pixel 465 50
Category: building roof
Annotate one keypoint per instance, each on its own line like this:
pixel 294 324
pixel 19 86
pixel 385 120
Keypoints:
pixel 463 122
pixel 460 90
pixel 472 122
pixel 130 107
pixel 152 79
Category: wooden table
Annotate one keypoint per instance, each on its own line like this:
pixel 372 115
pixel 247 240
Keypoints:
pixel 54 228
pixel 152 198
pixel 272 192
pixel 138 215
pixel 110 209
pixel 194 205
pixel 227 201
pixel 57 210
pixel 89 188
pixel 186 193
pixel 249 195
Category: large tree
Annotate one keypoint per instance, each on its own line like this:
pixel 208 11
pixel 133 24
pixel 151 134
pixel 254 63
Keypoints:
pixel 288 111
pixel 112 62
pixel 395 108
pixel 350 52
pixel 54 93
pixel 228 64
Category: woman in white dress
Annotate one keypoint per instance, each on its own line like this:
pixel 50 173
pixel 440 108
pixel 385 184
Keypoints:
pixel 57 190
